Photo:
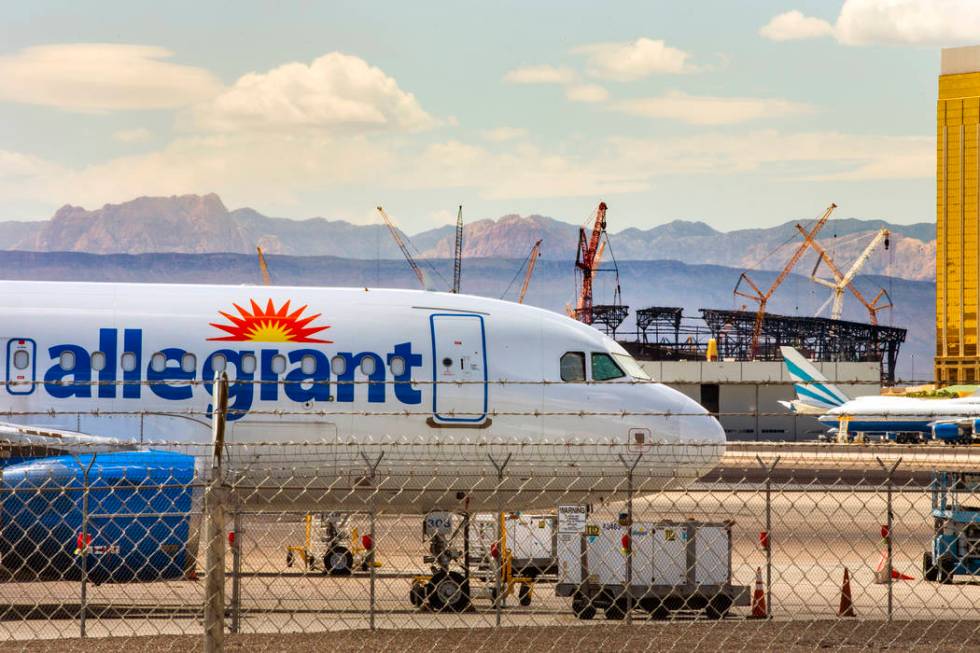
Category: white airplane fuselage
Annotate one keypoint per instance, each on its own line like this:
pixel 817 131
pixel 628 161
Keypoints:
pixel 323 381
pixel 901 414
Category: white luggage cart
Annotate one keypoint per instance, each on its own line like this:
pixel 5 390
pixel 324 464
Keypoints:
pixel 677 566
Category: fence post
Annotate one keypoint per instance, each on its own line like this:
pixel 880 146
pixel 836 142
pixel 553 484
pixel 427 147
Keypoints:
pixel 889 472
pixel 83 546
pixel 498 598
pixel 629 534
pixel 768 469
pixel 372 471
pixel 236 572
pixel 214 573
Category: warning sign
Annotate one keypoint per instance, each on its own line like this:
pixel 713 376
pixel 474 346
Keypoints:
pixel 571 519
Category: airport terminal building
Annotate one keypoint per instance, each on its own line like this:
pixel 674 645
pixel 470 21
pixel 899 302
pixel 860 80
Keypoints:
pixel 746 394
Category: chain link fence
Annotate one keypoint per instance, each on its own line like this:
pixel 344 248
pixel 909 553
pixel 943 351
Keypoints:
pixel 479 542
pixel 323 542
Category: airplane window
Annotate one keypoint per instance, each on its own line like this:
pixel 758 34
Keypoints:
pixel 278 364
pixel 188 363
pixel 339 365
pixel 573 366
pixel 67 361
pixel 631 367
pixel 397 365
pixel 604 368
pixel 22 359
pixel 219 362
pixel 158 362
pixel 98 361
pixel 368 366
pixel 308 364
pixel 128 361
pixel 248 364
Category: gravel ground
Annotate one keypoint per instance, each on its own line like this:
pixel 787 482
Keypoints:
pixel 791 637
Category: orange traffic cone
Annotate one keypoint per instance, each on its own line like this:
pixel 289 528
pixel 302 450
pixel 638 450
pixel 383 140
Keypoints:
pixel 881 571
pixel 759 598
pixel 846 608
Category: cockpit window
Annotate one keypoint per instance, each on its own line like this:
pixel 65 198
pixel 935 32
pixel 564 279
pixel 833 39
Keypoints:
pixel 631 367
pixel 573 366
pixel 604 368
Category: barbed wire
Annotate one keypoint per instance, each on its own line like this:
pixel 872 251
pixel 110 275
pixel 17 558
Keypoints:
pixel 319 412
pixel 424 382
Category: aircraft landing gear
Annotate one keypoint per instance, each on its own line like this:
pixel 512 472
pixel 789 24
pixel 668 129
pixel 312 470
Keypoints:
pixel 446 589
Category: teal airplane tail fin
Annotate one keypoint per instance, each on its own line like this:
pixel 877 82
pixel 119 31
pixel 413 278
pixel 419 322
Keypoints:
pixel 811 386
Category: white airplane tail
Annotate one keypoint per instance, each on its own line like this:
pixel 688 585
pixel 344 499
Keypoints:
pixel 812 388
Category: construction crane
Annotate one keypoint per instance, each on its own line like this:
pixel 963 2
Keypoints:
pixel 266 281
pixel 762 298
pixel 401 245
pixel 532 259
pixel 586 261
pixel 844 281
pixel 458 255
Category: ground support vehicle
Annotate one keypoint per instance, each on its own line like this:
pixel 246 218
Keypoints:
pixel 329 546
pixel 528 547
pixel 458 576
pixel 447 587
pixel 677 566
pixel 955 548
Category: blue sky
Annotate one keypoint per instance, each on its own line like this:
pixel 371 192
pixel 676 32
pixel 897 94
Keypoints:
pixel 736 113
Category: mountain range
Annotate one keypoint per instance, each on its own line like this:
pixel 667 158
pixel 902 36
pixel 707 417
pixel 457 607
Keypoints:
pixel 644 283
pixel 191 224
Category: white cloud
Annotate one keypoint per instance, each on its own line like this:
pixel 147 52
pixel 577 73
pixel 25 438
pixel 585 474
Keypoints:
pixel 523 171
pixel 335 90
pixel 793 25
pixel 501 134
pixel 630 60
pixel 543 74
pixel 25 176
pixel 137 135
pixel 707 110
pixel 102 77
pixel 899 22
pixel 937 22
pixel 245 169
pixel 277 169
pixel 818 156
pixel 586 93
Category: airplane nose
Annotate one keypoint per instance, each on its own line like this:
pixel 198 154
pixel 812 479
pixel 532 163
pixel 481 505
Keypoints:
pixel 693 424
pixel 701 427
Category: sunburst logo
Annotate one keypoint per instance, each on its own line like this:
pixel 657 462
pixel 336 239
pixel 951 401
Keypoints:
pixel 270 324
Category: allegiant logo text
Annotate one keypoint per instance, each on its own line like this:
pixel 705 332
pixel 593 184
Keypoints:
pixel 263 383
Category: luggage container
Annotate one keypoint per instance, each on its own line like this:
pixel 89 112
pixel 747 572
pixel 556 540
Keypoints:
pixel 676 566
pixel 529 541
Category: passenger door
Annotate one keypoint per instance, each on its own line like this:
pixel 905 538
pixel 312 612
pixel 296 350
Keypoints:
pixel 459 368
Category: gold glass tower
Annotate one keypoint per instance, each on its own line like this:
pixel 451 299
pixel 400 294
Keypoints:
pixel 957 217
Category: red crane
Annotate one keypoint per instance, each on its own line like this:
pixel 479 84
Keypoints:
pixel 585 260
